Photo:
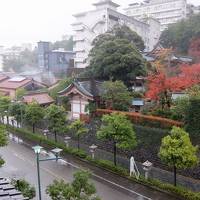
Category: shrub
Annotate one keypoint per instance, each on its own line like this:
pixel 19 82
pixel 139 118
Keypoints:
pixel 146 120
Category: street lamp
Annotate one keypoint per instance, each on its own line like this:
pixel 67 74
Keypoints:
pixel 37 149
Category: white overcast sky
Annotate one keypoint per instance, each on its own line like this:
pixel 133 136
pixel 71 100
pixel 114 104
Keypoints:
pixel 24 21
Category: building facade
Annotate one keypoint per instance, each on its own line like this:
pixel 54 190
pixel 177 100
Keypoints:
pixel 89 25
pixel 56 61
pixel 166 11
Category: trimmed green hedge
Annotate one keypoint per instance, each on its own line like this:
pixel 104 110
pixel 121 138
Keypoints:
pixel 178 191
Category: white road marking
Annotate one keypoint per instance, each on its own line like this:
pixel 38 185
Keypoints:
pixel 77 167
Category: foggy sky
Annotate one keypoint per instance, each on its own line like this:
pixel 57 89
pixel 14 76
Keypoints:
pixel 24 21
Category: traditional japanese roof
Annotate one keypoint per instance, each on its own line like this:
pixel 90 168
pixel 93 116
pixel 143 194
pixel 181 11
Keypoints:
pixel 18 82
pixel 89 89
pixel 3 77
pixel 41 98
pixel 15 83
pixel 8 191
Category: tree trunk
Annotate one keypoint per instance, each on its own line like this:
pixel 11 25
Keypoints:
pixel 78 142
pixel 174 175
pixel 55 134
pixel 7 120
pixel 115 153
pixel 33 126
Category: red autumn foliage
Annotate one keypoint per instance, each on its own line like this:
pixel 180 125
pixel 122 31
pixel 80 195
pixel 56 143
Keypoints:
pixel 148 120
pixel 188 76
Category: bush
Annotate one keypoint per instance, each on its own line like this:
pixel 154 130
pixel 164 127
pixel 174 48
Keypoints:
pixel 146 120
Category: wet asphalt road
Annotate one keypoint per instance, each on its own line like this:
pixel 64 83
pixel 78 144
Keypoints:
pixel 21 163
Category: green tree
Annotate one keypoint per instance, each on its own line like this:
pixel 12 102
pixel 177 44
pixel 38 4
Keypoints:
pixel 124 32
pixel 79 189
pixel 115 59
pixel 24 187
pixel 179 108
pixel 66 44
pixel 79 129
pixel 3 140
pixel 117 129
pixel 4 106
pixel 116 95
pixel 56 118
pixel 20 93
pixel 34 114
pixel 177 150
pixel 53 92
pixel 180 34
pixel 17 110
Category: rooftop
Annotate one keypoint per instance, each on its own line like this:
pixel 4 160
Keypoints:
pixel 41 98
pixel 14 83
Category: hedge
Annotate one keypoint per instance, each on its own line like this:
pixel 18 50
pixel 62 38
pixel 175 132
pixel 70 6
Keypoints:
pixel 145 120
pixel 178 191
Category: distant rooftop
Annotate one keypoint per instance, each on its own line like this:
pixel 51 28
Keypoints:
pixel 17 79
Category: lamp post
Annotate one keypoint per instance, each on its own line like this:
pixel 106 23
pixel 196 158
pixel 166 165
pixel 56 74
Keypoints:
pixel 37 150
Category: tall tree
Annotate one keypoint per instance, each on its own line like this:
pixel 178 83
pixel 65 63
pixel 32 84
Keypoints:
pixel 79 129
pixel 17 110
pixel 119 130
pixel 179 35
pixel 4 106
pixel 124 32
pixel 34 114
pixel 79 189
pixel 177 150
pixel 56 118
pixel 116 59
pixel 116 95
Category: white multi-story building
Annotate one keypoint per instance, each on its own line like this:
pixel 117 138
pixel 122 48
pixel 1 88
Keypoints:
pixel 90 24
pixel 166 11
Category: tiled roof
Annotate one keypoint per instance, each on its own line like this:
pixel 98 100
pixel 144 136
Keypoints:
pixel 3 77
pixel 8 192
pixel 40 98
pixel 89 88
pixel 11 84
